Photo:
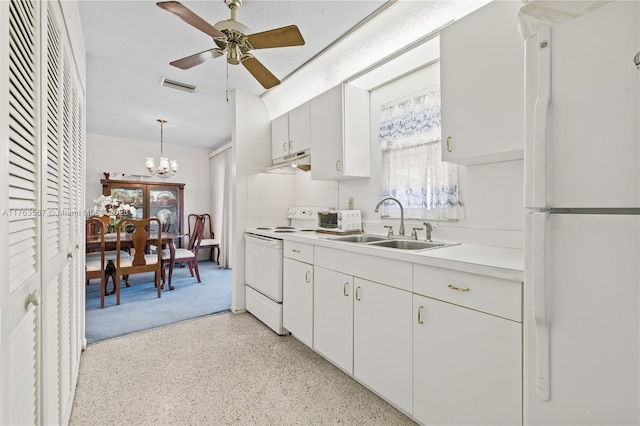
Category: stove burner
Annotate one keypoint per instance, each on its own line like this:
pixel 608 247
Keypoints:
pixel 308 230
pixel 264 229
pixel 285 230
pixel 285 227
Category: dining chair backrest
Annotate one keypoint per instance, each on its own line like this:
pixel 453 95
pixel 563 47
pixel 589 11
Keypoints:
pixel 207 226
pixel 95 264
pixel 208 237
pixel 93 227
pixel 139 240
pixel 195 238
pixel 139 237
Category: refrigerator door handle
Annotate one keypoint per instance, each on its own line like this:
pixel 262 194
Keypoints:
pixel 536 276
pixel 536 196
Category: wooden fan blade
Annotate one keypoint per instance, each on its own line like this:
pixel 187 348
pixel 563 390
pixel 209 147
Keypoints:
pixel 279 37
pixel 197 59
pixel 260 72
pixel 190 18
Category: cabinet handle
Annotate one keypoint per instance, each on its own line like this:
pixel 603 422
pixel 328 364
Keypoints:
pixel 448 144
pixel 306 276
pixel 295 251
pixel 358 293
pixel 284 147
pixel 346 289
pixel 420 314
pixel 34 298
pixel 452 287
pixel 338 165
pixel 290 146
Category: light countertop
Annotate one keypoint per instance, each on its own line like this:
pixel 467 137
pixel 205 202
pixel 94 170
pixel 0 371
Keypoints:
pixel 498 262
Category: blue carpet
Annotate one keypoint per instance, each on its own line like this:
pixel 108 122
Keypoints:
pixel 140 309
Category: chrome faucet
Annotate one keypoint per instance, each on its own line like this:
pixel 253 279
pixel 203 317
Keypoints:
pixel 429 229
pixel 401 232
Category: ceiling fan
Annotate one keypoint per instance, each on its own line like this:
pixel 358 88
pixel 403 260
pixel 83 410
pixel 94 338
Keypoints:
pixel 233 38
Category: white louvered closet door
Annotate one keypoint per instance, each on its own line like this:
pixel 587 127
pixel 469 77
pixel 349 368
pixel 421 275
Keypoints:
pixel 42 290
pixel 52 243
pixel 20 232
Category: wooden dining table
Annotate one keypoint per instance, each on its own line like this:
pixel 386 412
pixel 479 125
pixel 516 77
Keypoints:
pixel 168 238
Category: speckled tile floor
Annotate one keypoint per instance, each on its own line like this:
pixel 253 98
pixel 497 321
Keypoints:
pixel 222 369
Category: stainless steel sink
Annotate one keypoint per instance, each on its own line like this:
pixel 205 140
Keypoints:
pixel 408 244
pixel 391 242
pixel 361 238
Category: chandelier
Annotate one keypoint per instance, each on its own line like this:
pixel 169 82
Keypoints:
pixel 167 167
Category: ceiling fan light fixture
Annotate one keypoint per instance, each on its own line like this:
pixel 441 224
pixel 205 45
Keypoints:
pixel 177 85
pixel 234 56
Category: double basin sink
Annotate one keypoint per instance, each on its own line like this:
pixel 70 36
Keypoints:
pixel 392 243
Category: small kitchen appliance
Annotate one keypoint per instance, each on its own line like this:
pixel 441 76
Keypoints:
pixel 339 221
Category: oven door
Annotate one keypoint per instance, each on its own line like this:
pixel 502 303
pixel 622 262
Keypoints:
pixel 263 265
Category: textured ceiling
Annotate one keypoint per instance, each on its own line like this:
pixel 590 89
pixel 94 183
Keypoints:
pixel 130 44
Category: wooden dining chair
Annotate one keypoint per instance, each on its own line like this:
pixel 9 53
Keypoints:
pixel 138 262
pixel 208 237
pixel 187 255
pixel 95 262
pixel 109 255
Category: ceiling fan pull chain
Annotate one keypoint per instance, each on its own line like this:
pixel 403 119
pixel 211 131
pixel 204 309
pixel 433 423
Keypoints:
pixel 227 91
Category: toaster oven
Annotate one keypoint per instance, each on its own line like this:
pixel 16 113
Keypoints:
pixel 339 221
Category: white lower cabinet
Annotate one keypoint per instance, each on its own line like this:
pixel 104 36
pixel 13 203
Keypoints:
pixel 467 366
pixel 333 317
pixel 297 299
pixel 382 341
pixel 441 345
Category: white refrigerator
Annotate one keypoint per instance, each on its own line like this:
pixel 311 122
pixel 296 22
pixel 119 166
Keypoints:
pixel 582 227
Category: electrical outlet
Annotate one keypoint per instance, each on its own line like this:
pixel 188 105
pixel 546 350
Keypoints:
pixel 351 202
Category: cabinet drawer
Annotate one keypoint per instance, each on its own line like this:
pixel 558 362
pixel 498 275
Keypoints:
pixel 487 294
pixel 392 272
pixel 298 251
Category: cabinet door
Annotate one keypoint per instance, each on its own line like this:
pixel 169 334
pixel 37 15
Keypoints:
pixel 482 83
pixel 297 300
pixel 327 133
pixel 333 317
pixel 299 130
pixel 466 364
pixel 382 341
pixel 280 136
pixel 164 204
pixel 131 195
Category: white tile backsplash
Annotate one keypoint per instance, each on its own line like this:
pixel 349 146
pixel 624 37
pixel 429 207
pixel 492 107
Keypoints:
pixel 271 195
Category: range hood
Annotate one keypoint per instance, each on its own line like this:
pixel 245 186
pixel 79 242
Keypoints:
pixel 300 160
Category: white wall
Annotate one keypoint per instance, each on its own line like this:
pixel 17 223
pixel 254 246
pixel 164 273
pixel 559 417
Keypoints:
pixel 251 152
pixel 111 154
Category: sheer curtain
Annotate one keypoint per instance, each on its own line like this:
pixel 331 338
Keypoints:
pixel 412 171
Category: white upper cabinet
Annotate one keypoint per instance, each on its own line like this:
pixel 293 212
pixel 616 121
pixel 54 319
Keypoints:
pixel 482 84
pixel 290 132
pixel 340 134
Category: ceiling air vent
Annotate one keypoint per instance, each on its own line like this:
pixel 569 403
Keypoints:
pixel 177 85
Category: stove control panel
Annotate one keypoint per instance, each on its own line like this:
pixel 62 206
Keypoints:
pixel 305 212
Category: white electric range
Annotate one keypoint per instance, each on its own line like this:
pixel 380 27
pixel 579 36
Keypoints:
pixel 263 264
